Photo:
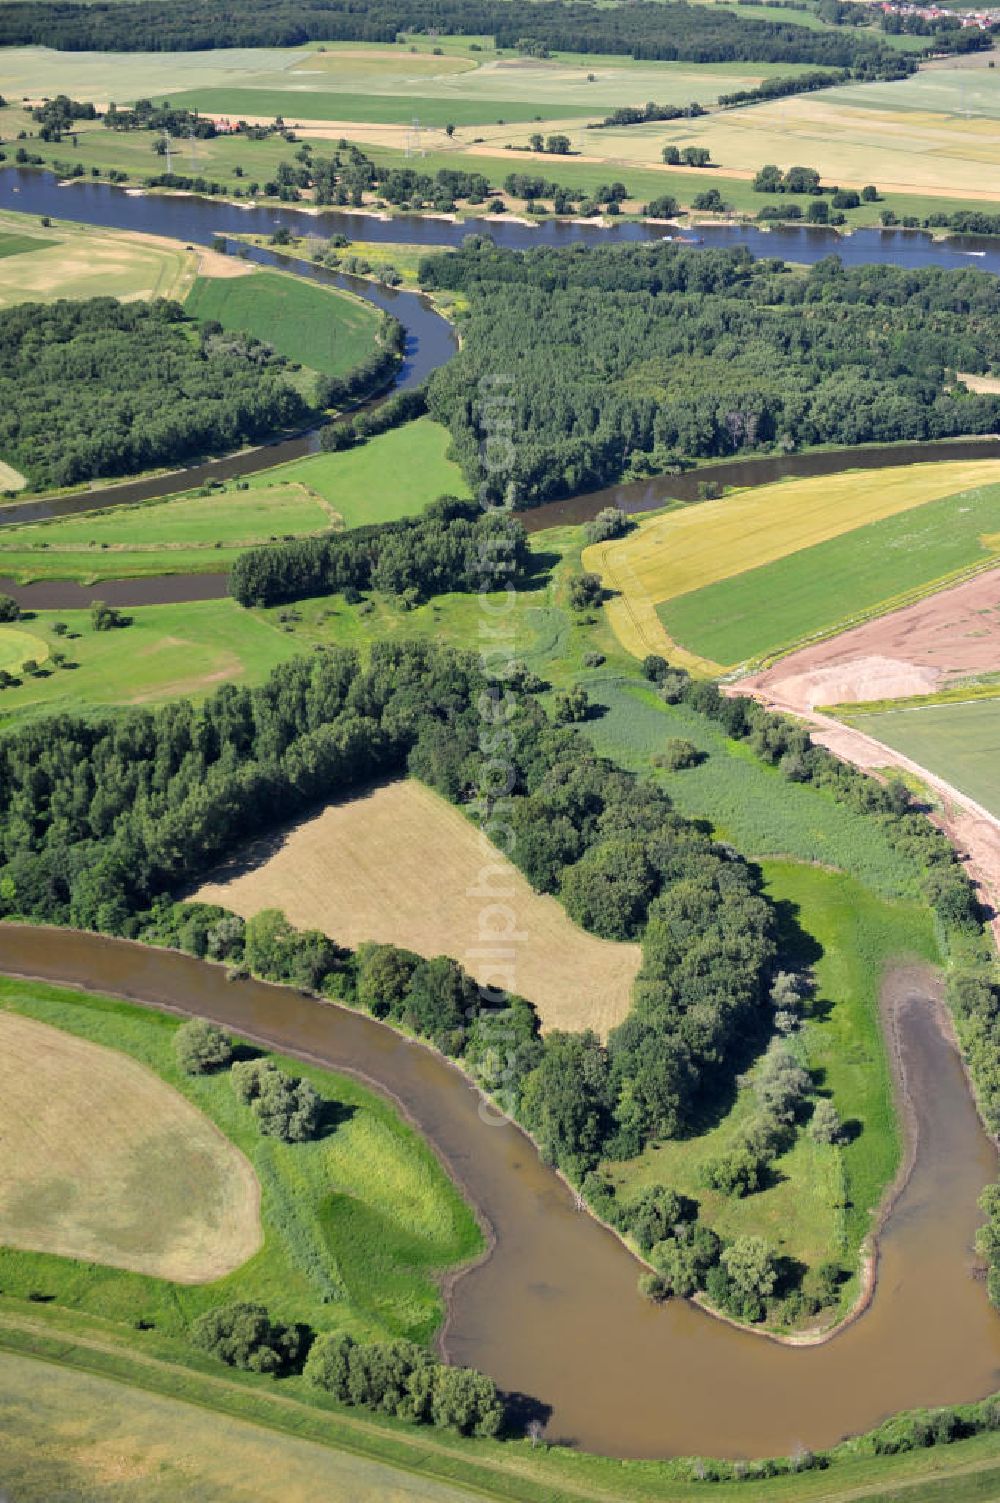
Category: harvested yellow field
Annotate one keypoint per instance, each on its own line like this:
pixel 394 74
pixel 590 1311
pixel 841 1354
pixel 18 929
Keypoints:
pixel 684 550
pixel 105 1163
pixel 401 866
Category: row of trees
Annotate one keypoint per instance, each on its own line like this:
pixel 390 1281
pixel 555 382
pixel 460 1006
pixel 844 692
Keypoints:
pixel 648 355
pixel 442 549
pixel 389 1377
pixel 644 30
pixel 109 388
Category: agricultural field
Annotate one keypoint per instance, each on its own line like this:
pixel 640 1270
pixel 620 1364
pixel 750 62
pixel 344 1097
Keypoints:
pixel 395 474
pixel 333 873
pixel 817 1205
pixel 842 579
pixel 320 1261
pixel 687 549
pixel 167 651
pixel 934 133
pixel 77 1436
pixel 105 1163
pixel 192 534
pixel 82 261
pixel 320 327
pixel 958 741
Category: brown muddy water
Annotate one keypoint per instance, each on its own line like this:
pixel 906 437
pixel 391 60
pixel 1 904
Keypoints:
pixel 553 1311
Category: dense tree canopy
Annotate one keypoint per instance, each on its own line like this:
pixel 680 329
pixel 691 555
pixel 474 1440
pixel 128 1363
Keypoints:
pixel 626 359
pixel 106 388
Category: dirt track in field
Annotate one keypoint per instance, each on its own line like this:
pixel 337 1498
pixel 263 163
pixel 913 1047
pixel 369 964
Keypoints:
pixel 922 648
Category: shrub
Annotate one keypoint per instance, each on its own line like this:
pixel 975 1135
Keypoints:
pixel 678 754
pixel 609 523
pixel 285 1106
pixel 243 1335
pixel 9 608
pixel 200 1047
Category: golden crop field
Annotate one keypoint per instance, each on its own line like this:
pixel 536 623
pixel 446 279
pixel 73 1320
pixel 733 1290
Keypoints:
pixel 105 1163
pixel 681 551
pixel 401 866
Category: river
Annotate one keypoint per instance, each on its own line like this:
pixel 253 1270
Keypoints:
pixel 553 1312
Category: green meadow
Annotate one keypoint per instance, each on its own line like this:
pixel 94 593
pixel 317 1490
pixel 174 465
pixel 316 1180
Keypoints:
pixel 780 603
pixel 192 534
pixel 383 109
pixel 320 327
pixel 167 651
pixel 393 475
pixel 357 1222
pixel 19 245
pixel 960 742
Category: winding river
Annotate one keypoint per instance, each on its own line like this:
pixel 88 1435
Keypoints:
pixel 553 1311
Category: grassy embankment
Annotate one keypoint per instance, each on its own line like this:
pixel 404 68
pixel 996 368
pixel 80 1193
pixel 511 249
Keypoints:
pixel 688 549
pixel 817 1202
pixel 356 1223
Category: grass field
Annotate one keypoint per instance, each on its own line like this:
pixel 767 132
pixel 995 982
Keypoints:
pixel 356 1222
pixel 188 535
pixel 686 549
pixel 393 475
pixel 19 245
pixel 18 647
pixel 817 1205
pixel 82 261
pixel 960 742
pixel 334 872
pixel 817 588
pixel 169 650
pixel 312 105
pixel 73 1436
pixel 105 1163
pixel 322 328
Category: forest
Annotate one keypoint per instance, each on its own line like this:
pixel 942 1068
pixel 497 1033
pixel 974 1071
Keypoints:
pixel 106 388
pixel 646 29
pixel 630 360
pixel 446 548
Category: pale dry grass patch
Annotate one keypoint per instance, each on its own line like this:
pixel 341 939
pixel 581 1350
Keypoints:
pixel 104 1162
pixel 401 866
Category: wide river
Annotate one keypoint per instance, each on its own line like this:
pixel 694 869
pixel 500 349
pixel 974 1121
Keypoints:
pixel 553 1312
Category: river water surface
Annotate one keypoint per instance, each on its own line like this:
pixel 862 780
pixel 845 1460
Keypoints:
pixel 553 1312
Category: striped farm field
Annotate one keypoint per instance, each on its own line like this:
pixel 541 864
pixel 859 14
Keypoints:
pixel 360 870
pixel 687 550
pixel 846 577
